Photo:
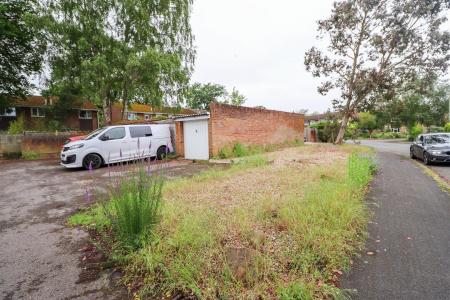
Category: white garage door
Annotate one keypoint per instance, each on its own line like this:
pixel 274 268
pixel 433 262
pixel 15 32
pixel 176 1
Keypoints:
pixel 196 140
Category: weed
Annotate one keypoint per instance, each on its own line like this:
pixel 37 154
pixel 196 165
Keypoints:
pixel 30 155
pixel 135 208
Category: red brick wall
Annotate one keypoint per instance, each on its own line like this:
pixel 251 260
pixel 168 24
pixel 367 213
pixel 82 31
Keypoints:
pixel 229 124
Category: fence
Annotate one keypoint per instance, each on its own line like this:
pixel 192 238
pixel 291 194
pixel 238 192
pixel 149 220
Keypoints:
pixel 39 144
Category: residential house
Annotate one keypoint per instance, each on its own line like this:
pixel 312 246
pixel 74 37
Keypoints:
pixel 36 111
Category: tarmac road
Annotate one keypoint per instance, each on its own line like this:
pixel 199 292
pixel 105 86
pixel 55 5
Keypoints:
pixel 40 257
pixel 407 254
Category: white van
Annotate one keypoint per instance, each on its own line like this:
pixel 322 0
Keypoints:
pixel 119 143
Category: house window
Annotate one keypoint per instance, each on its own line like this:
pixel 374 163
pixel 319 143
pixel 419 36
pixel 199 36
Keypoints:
pixel 9 112
pixel 37 112
pixel 85 114
pixel 132 116
pixel 147 117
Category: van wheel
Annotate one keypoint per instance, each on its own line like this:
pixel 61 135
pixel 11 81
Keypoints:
pixel 161 153
pixel 93 160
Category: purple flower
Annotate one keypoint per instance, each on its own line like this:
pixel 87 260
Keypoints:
pixel 90 167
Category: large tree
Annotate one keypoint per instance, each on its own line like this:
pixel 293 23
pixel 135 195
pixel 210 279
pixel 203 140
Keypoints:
pixel 132 50
pixel 22 44
pixel 376 47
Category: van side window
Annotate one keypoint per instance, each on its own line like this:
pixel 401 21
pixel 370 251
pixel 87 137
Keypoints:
pixel 140 131
pixel 115 133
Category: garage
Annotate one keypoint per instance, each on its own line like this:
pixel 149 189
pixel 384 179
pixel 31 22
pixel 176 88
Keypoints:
pixel 195 137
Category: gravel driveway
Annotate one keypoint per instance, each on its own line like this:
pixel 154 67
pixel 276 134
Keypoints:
pixel 41 258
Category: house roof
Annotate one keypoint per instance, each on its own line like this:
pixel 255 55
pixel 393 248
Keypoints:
pixel 181 117
pixel 145 108
pixel 40 101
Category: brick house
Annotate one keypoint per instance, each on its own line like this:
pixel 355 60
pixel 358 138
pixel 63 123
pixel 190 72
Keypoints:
pixel 201 136
pixel 36 113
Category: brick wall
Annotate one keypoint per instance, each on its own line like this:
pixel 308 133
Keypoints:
pixel 229 124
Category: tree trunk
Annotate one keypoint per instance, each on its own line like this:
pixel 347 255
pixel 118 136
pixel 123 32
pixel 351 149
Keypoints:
pixel 106 111
pixel 125 109
pixel 340 136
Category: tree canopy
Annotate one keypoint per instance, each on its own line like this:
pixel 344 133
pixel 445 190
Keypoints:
pixel 377 47
pixel 22 45
pixel 132 50
pixel 199 96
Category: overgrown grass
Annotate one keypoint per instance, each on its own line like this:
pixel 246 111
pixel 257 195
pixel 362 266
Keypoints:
pixel 254 230
pixel 30 155
pixel 240 150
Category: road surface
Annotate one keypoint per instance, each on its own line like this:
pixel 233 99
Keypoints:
pixel 407 254
pixel 402 148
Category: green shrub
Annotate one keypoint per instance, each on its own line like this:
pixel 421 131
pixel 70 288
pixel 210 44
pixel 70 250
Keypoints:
pixel 415 131
pixel 226 152
pixel 135 207
pixel 327 130
pixel 447 127
pixel 54 125
pixel 17 126
pixel 240 150
pixel 30 155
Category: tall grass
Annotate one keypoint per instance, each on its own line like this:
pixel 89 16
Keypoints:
pixel 134 207
pixel 240 150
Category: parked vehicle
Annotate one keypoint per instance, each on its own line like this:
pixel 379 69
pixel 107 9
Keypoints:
pixel 432 147
pixel 119 143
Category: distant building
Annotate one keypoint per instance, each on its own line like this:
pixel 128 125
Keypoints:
pixel 36 111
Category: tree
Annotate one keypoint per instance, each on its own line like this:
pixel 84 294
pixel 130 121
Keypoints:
pixel 376 47
pixel 22 44
pixel 199 96
pixel 367 121
pixel 235 98
pixel 135 51
pixel 409 107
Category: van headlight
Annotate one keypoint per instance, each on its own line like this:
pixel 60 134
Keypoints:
pixel 76 146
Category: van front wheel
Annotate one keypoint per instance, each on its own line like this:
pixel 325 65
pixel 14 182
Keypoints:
pixel 92 161
pixel 161 153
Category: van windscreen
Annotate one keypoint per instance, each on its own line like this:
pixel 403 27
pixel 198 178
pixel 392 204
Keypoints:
pixel 140 131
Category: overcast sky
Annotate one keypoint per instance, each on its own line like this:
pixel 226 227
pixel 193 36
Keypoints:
pixel 258 47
